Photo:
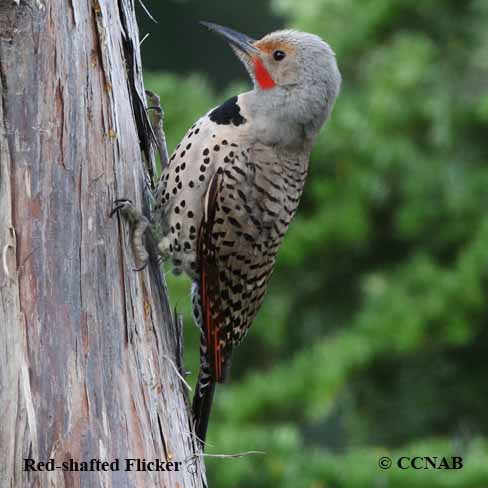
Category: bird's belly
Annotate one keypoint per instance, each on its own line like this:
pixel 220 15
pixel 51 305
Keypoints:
pixel 184 216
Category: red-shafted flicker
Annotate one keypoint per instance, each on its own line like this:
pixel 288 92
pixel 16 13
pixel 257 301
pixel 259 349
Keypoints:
pixel 224 203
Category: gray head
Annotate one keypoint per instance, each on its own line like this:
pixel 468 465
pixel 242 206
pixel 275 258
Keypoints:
pixel 294 74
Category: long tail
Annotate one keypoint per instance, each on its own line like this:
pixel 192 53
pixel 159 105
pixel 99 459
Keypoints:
pixel 202 405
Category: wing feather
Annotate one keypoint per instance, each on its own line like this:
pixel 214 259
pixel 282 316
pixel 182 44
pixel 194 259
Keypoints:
pixel 237 248
pixel 210 286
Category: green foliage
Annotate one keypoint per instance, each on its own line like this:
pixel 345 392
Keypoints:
pixel 373 337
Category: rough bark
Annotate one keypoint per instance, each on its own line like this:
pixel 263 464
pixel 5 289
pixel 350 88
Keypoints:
pixel 87 345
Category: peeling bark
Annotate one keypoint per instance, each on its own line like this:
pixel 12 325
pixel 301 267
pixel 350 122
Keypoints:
pixel 87 346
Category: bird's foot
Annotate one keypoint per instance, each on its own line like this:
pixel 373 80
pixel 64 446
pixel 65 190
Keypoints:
pixel 139 224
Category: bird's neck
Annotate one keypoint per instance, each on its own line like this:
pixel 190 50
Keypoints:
pixel 275 122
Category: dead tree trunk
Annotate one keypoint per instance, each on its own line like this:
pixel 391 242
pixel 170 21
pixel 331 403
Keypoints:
pixel 87 346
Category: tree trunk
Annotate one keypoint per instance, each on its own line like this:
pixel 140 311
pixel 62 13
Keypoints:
pixel 88 347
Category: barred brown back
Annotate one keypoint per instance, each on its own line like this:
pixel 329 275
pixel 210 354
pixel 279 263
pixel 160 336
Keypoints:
pixel 250 204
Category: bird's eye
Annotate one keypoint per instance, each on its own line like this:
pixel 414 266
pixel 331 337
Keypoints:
pixel 279 55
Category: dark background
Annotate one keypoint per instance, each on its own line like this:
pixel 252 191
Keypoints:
pixel 178 43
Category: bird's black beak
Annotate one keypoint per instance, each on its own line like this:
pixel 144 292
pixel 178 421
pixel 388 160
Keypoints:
pixel 237 40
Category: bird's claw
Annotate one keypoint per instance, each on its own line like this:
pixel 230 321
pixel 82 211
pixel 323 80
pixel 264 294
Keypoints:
pixel 141 268
pixel 121 204
pixel 139 225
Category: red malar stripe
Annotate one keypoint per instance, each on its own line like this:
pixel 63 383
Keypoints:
pixel 262 76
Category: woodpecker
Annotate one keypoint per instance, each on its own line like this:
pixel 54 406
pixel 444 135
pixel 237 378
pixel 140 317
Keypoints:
pixel 232 187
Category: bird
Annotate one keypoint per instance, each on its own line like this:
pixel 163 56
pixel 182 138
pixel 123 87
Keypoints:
pixel 233 184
